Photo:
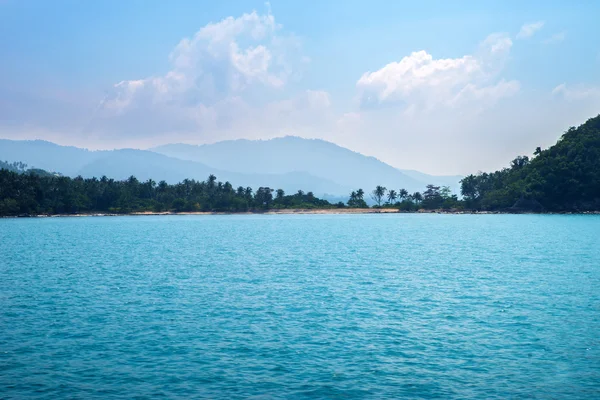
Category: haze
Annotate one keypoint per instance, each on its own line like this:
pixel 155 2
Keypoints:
pixel 441 88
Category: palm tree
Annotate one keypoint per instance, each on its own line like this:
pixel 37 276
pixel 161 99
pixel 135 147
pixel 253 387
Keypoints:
pixel 150 185
pixel 417 197
pixel 352 199
pixel 360 194
pixel 403 194
pixel 378 194
pixel 392 196
pixel 211 181
pixel 353 196
pixel 248 193
pixel 280 194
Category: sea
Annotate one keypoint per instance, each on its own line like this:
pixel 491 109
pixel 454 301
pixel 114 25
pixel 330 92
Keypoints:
pixel 377 306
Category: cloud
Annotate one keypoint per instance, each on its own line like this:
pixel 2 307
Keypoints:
pixel 556 38
pixel 230 79
pixel 487 95
pixel 528 30
pixel 236 58
pixel 419 81
pixel 577 92
pixel 239 78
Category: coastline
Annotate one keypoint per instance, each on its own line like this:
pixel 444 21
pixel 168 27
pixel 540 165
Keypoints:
pixel 299 211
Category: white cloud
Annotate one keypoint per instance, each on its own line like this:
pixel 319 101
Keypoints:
pixel 488 95
pixel 497 44
pixel 420 81
pixel 556 38
pixel 228 58
pixel 232 79
pixel 528 30
pixel 577 92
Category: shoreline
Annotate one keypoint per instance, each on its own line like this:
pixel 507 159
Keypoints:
pixel 300 211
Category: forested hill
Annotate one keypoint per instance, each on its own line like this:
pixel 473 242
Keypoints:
pixel 564 177
pixel 21 168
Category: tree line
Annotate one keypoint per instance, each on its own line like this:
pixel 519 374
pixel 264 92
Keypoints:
pixel 29 192
pixel 32 192
pixel 432 198
pixel 564 177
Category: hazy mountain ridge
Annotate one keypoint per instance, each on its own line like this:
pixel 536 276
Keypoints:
pixel 315 156
pixel 290 163
pixel 120 164
pixel 67 160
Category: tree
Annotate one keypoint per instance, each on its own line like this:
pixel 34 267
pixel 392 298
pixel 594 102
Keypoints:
pixel 392 196
pixel 564 177
pixel 417 197
pixel 211 181
pixel 378 194
pixel 519 162
pixel 280 194
pixel 263 197
pixel 402 194
pixel 446 192
pixel 432 198
pixel 360 194
pixel 355 201
pixel 352 197
pixel 469 187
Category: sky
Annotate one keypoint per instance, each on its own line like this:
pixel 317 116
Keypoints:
pixel 441 87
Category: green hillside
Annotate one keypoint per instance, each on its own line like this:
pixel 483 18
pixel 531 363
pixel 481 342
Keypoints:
pixel 564 177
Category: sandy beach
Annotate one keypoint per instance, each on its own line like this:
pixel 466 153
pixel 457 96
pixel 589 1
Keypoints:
pixel 299 211
pixel 282 211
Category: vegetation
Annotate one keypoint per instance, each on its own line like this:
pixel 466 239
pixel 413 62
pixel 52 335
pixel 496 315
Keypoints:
pixel 433 198
pixel 25 192
pixel 565 177
pixel 22 168
pixel 357 199
pixel 378 194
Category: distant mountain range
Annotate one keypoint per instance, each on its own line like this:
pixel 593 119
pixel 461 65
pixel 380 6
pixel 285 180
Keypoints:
pixel 290 163
pixel 317 157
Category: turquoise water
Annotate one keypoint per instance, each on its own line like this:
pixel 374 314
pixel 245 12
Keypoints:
pixel 301 306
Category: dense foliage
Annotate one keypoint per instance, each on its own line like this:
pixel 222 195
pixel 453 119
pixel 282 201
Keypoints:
pixel 564 177
pixel 26 192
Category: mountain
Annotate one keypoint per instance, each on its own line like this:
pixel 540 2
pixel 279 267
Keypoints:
pixel 67 160
pixel 317 157
pixel 144 165
pixel 120 164
pixel 564 177
pixel 289 163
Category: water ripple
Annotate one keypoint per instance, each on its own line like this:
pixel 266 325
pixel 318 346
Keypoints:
pixel 301 306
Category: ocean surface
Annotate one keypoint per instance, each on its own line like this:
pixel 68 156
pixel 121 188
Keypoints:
pixel 300 306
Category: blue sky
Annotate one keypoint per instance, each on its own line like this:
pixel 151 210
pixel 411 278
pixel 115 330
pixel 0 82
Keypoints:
pixel 443 87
